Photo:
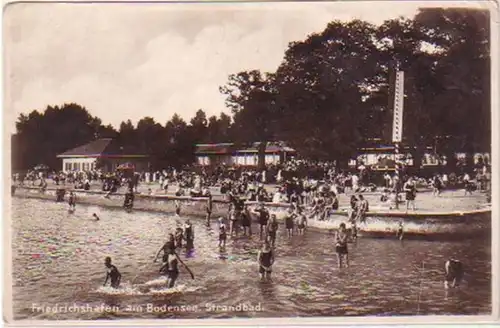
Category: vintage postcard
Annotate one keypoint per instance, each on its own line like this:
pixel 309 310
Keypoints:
pixel 244 162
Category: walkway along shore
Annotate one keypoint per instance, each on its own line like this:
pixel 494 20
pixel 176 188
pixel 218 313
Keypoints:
pixel 380 222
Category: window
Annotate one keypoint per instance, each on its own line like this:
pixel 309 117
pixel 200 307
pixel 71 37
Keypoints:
pixel 67 166
pixel 85 166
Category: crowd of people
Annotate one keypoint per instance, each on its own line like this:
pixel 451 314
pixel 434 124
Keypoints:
pixel 311 195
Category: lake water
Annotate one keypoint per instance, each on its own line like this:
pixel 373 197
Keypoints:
pixel 58 261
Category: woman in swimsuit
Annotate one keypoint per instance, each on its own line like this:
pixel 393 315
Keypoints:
pixel 341 245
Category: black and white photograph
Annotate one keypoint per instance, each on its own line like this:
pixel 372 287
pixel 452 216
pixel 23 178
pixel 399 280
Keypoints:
pixel 271 160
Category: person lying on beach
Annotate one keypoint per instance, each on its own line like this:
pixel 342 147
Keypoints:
pixel 112 274
pixel 95 216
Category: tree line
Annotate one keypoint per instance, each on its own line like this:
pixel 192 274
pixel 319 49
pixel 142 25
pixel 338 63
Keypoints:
pixel 331 93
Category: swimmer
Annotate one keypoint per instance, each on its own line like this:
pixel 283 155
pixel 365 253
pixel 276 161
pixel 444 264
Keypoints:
pixel 171 267
pixel 95 216
pixel 341 245
pixel 170 244
pixel 454 273
pixel 222 233
pixel 112 274
pixel 265 258
pixel 272 229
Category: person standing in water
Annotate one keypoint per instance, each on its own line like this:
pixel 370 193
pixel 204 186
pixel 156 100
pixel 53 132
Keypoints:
pixel 72 201
pixel 112 274
pixel 341 238
pixel 209 208
pixel 272 229
pixel 410 189
pixel 171 268
pixel 289 222
pixel 170 244
pixel 222 233
pixel 263 215
pixel 301 221
pixel 362 208
pixel 177 208
pixel 179 237
pixel 246 221
pixel 189 235
pixel 400 233
pixel 265 258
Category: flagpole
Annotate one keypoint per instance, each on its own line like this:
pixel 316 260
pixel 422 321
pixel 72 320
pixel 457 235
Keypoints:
pixel 397 128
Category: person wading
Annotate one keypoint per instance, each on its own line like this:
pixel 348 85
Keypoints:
pixel 265 258
pixel 171 268
pixel 341 238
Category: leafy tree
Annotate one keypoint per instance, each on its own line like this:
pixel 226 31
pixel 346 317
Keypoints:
pixel 251 95
pixel 322 85
pixel 41 136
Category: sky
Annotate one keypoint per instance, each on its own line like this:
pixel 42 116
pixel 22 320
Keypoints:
pixel 128 61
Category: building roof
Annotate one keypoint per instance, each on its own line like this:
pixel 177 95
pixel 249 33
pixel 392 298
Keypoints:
pixel 214 149
pixel 104 147
pixel 229 148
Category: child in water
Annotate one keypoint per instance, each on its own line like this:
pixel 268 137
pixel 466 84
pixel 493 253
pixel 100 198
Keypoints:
pixel 222 233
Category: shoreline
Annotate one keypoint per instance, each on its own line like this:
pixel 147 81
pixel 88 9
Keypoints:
pixel 379 224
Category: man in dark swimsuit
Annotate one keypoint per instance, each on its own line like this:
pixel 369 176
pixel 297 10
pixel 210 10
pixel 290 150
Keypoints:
pixel 289 222
pixel 263 214
pixel 400 232
pixel 95 216
pixel 72 201
pixel 170 244
pixel 454 273
pixel 112 274
pixel 246 221
pixel 171 267
pixel 189 235
pixel 265 259
pixel 272 229
pixel 341 245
